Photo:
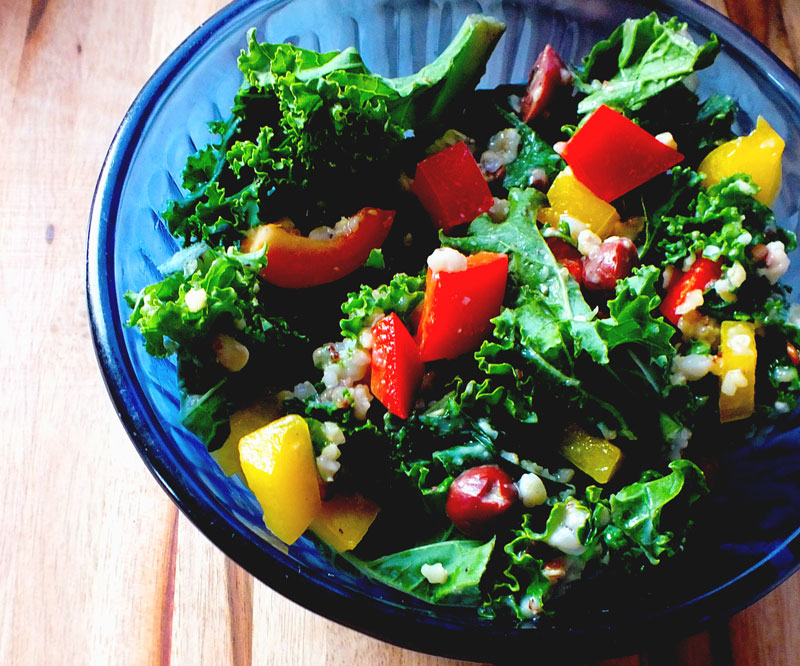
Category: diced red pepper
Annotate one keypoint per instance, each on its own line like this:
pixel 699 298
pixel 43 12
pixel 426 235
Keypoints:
pixel 397 366
pixel 566 255
pixel 547 74
pixel 451 187
pixel 459 305
pixel 702 272
pixel 612 155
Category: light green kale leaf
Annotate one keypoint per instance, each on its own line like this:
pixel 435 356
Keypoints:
pixel 640 59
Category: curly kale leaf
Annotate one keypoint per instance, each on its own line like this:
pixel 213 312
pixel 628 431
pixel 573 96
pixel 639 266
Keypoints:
pixel 551 313
pixel 310 132
pixel 401 295
pixel 640 59
pixel 631 319
pixel 210 294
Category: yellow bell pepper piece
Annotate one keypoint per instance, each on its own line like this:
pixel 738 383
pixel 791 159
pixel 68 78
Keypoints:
pixel 344 520
pixel 736 370
pixel 594 456
pixel 242 423
pixel 279 466
pixel 758 154
pixel 568 196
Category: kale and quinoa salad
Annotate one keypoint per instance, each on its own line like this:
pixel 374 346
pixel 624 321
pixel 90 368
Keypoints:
pixel 479 343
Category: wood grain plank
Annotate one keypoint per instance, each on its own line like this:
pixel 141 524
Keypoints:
pixel 769 631
pixel 763 20
pixel 790 12
pixel 283 632
pixel 719 5
pixel 205 623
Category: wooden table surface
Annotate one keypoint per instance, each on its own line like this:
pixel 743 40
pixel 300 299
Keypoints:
pixel 98 565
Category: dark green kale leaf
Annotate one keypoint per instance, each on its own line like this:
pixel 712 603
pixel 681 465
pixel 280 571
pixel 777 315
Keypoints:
pixel 548 327
pixel 631 320
pixel 522 588
pixel 640 525
pixel 221 288
pixel 311 132
pixel 677 199
pixel 464 561
pixel 207 414
pixel 534 154
pixel 723 223
pixel 401 295
pixel 553 314
pixel 435 445
pixel 640 59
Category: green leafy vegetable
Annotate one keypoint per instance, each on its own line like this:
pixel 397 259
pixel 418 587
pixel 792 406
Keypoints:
pixel 640 59
pixel 637 511
pixel 551 312
pixel 401 296
pixel 723 222
pixel 212 293
pixel 464 561
pixel 534 154
pixel 631 319
pixel 207 415
pixel 311 130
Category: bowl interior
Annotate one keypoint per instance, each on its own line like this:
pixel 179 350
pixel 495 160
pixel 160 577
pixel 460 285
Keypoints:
pixel 746 541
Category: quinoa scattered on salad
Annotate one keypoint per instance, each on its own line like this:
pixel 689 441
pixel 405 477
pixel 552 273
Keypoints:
pixel 477 342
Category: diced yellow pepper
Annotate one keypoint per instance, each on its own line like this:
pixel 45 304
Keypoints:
pixel 568 196
pixel 594 456
pixel 279 466
pixel 758 154
pixel 243 423
pixel 736 370
pixel 344 520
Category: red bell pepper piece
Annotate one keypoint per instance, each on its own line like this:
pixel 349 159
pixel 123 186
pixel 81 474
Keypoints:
pixel 702 272
pixel 297 261
pixel 451 187
pixel 459 305
pixel 547 74
pixel 566 255
pixel 397 366
pixel 612 155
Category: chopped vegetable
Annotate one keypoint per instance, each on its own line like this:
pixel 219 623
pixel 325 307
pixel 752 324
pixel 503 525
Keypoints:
pixel 344 520
pixel 459 305
pixel 594 456
pixel 569 197
pixel 612 155
pixel 243 422
pixel 758 154
pixel 698 278
pixel 548 74
pixel 278 464
pixel 396 366
pixel 737 370
pixel 297 261
pixel 451 187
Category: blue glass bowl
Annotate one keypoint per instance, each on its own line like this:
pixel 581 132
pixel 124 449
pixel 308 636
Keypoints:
pixel 746 539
